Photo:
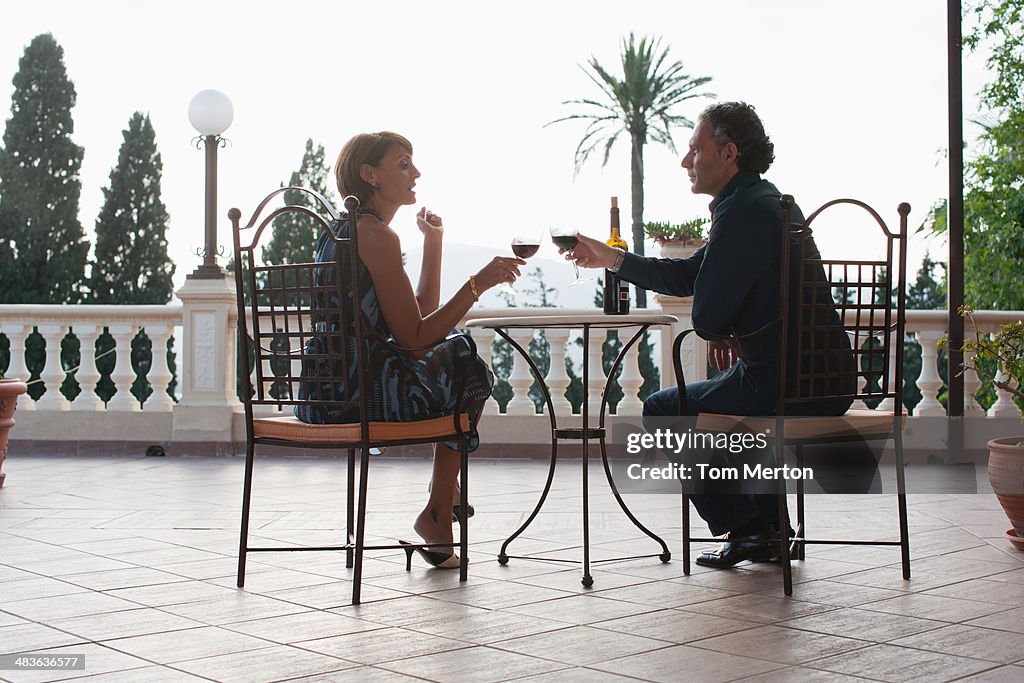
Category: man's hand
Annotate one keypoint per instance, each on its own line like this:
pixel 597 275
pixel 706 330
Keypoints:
pixel 590 253
pixel 723 353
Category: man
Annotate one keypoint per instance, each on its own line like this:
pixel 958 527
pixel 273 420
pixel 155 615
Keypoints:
pixel 734 281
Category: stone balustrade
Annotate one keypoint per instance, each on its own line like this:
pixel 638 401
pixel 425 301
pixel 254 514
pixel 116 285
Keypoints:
pixel 205 408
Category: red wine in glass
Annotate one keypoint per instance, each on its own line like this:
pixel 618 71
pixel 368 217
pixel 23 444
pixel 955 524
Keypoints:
pixel 567 240
pixel 523 246
pixel 524 250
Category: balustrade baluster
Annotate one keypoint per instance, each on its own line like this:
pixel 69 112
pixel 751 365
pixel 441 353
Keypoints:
pixel 87 375
pixel 1004 405
pixel 888 403
pixel 630 379
pixel 16 334
pixel 596 371
pixel 123 375
pixel 159 374
pixel 558 379
pixel 971 386
pixel 929 382
pixel 520 379
pixel 484 338
pixel 53 372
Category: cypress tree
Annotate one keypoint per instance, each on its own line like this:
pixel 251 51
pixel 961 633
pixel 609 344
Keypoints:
pixel 44 250
pixel 295 235
pixel 132 266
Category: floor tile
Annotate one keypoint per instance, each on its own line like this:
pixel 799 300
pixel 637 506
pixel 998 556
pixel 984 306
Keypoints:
pixel 675 626
pixel 580 645
pixel 935 607
pixel 1003 647
pixel 382 645
pixel 293 628
pixel 1009 620
pixel 274 663
pixel 489 627
pixel 193 643
pixel 698 664
pixel 899 664
pixel 478 663
pixel 863 624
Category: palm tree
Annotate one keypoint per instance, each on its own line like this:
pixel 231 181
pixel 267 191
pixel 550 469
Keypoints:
pixel 639 105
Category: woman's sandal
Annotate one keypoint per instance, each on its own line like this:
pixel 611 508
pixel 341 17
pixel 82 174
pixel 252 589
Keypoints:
pixel 433 558
pixel 457 512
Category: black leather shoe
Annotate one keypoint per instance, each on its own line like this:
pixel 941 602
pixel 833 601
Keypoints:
pixel 733 552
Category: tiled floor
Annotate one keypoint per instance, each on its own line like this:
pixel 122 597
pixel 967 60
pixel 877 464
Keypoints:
pixel 130 562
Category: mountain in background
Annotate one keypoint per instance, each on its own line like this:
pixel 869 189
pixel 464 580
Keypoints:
pixel 462 260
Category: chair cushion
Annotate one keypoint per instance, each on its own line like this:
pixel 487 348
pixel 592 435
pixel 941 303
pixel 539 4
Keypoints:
pixel 293 429
pixel 855 423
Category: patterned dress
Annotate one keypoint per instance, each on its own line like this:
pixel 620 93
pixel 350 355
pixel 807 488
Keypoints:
pixel 400 388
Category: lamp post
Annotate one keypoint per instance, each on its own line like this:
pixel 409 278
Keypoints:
pixel 210 112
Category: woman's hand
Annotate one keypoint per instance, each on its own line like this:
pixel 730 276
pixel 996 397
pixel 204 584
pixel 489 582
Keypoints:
pixel 591 253
pixel 429 223
pixel 500 269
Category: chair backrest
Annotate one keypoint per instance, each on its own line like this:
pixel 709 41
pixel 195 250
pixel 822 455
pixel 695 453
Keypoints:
pixel 866 297
pixel 296 321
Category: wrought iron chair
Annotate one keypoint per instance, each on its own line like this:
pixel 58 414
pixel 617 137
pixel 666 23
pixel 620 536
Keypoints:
pixel 871 302
pixel 293 317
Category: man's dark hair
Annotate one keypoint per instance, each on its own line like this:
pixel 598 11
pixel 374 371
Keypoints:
pixel 737 122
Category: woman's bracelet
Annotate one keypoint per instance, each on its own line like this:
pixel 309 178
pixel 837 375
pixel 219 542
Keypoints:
pixel 473 289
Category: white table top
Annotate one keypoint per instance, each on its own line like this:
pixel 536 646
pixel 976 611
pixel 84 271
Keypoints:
pixel 574 321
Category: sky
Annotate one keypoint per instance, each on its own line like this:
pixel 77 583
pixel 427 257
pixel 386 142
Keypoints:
pixel 853 94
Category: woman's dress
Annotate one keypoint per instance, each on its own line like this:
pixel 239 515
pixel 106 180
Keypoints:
pixel 400 388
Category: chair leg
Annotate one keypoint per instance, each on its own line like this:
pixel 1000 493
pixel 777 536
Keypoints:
pixel 350 490
pixel 901 500
pixel 787 568
pixel 463 505
pixel 801 528
pixel 686 534
pixel 357 574
pixel 243 541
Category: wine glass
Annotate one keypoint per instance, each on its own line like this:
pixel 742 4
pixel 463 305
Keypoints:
pixel 565 238
pixel 523 246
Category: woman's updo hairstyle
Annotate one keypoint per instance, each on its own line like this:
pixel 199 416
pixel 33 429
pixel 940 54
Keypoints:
pixel 365 148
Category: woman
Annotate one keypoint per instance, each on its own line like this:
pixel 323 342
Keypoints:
pixel 404 386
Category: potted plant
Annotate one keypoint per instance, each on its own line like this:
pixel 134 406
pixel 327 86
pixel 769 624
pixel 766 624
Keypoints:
pixel 1004 351
pixel 677 240
pixel 10 389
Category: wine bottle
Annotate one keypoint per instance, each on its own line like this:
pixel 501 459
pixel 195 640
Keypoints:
pixel 616 291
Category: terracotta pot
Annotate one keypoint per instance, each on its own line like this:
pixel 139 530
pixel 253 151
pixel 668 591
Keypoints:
pixel 680 248
pixel 1006 474
pixel 10 390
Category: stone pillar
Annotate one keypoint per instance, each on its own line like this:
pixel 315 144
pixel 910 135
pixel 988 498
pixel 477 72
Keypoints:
pixel 694 351
pixel 208 398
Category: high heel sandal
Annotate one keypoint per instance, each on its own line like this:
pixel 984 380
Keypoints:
pixel 433 558
pixel 457 512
